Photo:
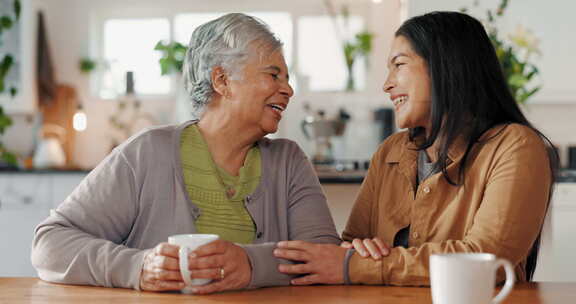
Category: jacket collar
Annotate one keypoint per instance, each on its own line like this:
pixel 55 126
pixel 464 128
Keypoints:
pixel 405 153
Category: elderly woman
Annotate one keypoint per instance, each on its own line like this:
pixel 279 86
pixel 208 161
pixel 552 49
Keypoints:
pixel 216 175
pixel 470 174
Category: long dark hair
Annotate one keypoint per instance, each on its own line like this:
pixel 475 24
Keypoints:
pixel 469 93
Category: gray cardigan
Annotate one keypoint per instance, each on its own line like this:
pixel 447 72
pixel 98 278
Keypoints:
pixel 135 198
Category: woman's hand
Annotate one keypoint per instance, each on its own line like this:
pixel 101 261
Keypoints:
pixel 322 263
pixel 225 263
pixel 369 247
pixel 160 271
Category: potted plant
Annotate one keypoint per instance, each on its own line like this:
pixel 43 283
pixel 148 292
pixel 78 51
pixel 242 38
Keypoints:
pixel 87 65
pixel 514 53
pixel 7 20
pixel 360 46
pixel 172 62
pixel 172 59
pixel 353 46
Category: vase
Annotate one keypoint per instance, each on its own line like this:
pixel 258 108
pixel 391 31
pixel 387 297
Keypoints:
pixel 350 84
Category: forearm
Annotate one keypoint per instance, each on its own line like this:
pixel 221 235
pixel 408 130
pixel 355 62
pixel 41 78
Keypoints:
pixel 410 266
pixel 404 266
pixel 66 255
pixel 265 266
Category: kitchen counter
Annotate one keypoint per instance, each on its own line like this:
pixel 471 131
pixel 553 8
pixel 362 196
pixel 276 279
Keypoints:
pixel 341 177
pixel 341 180
pixel 356 177
pixel 325 176
pixel 566 176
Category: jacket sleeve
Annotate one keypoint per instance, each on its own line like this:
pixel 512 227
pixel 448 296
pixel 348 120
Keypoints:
pixel 519 181
pixel 309 219
pixel 81 241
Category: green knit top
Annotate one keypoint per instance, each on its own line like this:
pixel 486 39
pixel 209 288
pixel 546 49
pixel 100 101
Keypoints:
pixel 206 185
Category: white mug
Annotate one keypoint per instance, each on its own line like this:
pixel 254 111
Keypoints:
pixel 468 278
pixel 189 243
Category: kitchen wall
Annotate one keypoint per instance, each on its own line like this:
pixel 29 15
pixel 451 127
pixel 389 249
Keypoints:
pixel 72 30
pixel 555 120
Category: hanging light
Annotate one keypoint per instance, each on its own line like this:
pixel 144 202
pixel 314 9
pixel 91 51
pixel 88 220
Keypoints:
pixel 79 121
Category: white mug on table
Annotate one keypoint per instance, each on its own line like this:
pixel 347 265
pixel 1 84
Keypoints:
pixel 189 243
pixel 468 278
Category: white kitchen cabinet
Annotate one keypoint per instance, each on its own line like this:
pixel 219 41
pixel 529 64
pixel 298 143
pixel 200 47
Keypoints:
pixel 556 262
pixel 26 200
pixel 20 192
pixel 341 198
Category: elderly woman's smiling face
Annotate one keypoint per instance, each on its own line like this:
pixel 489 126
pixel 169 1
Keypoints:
pixel 261 92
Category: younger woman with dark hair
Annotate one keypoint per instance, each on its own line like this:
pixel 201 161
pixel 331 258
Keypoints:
pixel 470 174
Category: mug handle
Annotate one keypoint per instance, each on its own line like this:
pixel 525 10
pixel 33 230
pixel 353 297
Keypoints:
pixel 510 280
pixel 183 261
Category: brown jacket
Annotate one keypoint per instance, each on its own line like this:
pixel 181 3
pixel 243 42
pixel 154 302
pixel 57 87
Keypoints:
pixel 499 209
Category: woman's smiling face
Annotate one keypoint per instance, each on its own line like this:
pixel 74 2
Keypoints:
pixel 262 91
pixel 408 85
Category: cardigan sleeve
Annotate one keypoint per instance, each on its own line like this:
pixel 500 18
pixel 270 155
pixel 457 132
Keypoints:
pixel 308 219
pixel 81 241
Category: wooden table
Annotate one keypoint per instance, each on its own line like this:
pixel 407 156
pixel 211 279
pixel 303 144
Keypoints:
pixel 33 290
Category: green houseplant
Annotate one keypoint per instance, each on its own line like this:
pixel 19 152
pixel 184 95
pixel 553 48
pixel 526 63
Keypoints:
pixel 353 46
pixel 7 20
pixel 87 65
pixel 514 52
pixel 172 59
pixel 172 62
pixel 360 46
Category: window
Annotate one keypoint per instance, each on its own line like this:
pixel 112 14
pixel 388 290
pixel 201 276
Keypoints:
pixel 129 46
pixel 320 56
pixel 319 50
pixel 280 23
pixel 185 24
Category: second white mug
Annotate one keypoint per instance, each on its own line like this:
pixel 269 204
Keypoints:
pixel 468 278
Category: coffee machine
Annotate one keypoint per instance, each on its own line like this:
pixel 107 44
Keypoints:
pixel 384 118
pixel 321 130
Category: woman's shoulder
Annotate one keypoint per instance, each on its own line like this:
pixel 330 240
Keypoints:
pixel 281 152
pixel 512 134
pixel 153 134
pixel 515 140
pixel 156 140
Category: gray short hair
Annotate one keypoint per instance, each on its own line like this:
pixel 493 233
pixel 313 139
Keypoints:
pixel 221 42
